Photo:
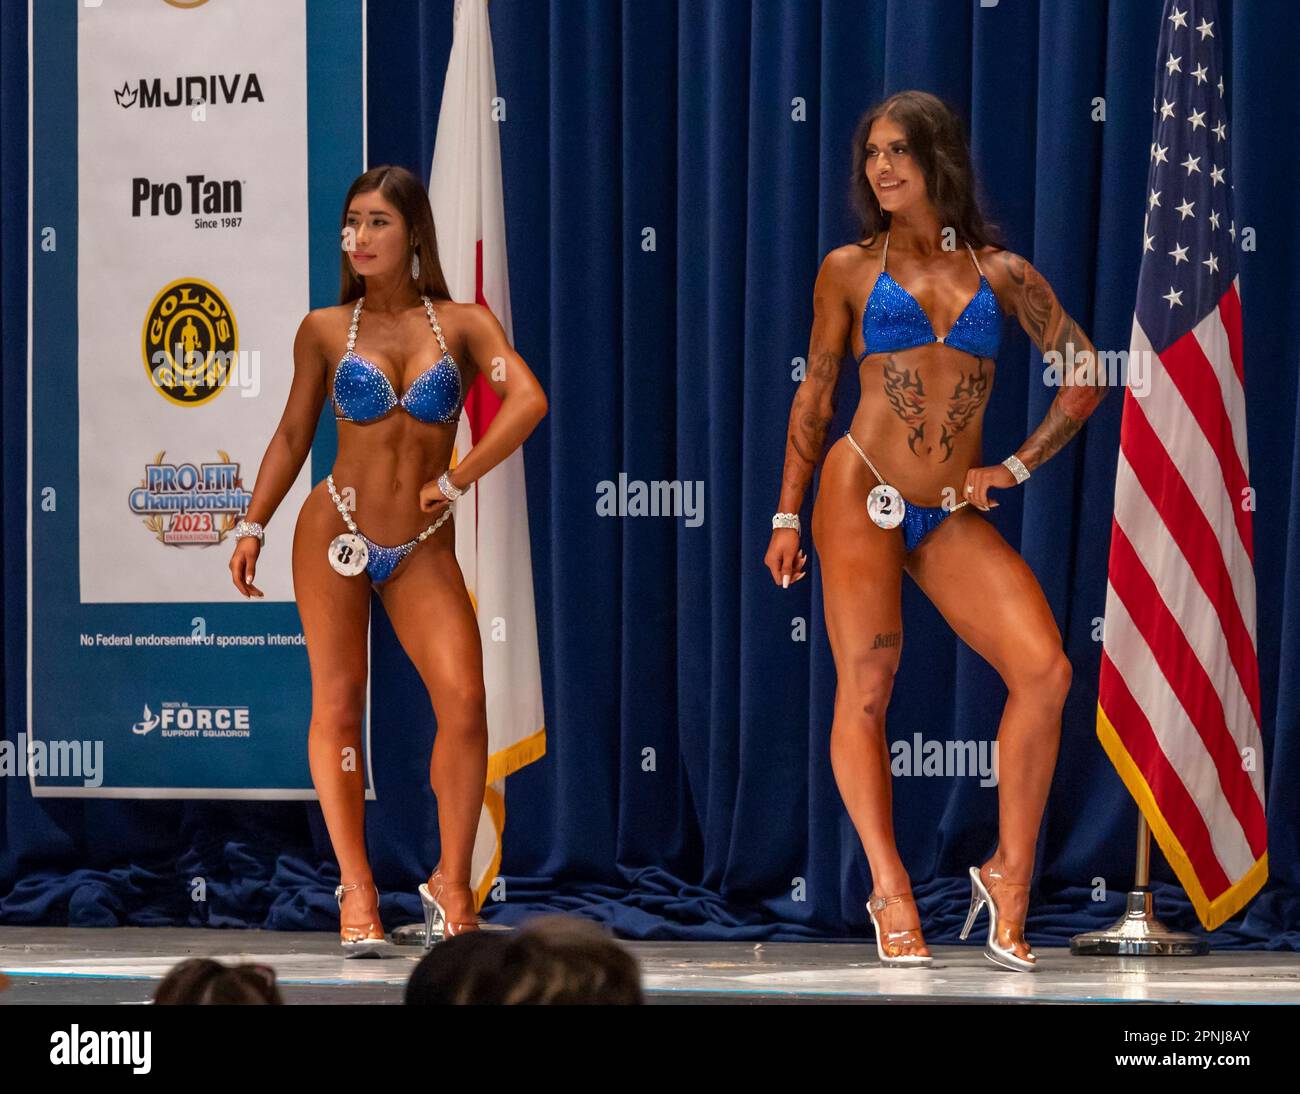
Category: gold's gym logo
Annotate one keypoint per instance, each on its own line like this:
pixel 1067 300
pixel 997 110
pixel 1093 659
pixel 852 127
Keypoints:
pixel 190 342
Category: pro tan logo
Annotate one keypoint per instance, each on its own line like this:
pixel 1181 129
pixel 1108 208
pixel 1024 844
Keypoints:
pixel 190 342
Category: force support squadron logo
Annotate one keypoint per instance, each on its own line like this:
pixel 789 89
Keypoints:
pixel 190 342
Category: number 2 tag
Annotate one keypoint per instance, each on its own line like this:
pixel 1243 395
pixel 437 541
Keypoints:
pixel 885 506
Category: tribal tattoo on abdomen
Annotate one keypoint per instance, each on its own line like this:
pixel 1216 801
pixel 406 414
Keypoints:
pixel 906 394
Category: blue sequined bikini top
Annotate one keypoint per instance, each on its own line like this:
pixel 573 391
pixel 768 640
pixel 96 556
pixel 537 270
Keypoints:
pixel 362 393
pixel 893 320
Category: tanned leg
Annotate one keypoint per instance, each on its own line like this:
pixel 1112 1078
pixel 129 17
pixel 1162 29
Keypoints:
pixel 861 572
pixel 335 614
pixel 991 599
pixel 432 614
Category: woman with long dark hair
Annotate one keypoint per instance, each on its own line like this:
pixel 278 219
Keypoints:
pixel 395 358
pixel 900 492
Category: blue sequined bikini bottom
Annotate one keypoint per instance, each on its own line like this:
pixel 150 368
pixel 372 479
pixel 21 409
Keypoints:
pixel 382 561
pixel 918 520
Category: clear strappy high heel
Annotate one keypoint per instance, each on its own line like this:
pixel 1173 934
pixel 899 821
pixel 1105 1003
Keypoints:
pixel 896 938
pixel 436 924
pixel 361 941
pixel 994 950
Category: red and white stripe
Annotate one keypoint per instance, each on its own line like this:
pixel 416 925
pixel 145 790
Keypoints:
pixel 1179 702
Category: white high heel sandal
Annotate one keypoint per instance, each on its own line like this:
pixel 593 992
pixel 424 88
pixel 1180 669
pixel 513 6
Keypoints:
pixel 993 950
pixel 892 938
pixel 436 924
pixel 356 941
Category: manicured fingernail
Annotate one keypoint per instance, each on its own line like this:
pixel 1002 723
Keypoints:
pixel 785 581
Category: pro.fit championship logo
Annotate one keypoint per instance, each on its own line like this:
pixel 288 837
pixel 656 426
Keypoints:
pixel 187 506
pixel 190 342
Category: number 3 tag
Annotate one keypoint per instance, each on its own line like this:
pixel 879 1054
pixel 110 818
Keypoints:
pixel 348 554
pixel 885 506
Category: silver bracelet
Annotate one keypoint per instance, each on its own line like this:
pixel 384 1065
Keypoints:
pixel 250 528
pixel 449 490
pixel 1018 469
pixel 786 520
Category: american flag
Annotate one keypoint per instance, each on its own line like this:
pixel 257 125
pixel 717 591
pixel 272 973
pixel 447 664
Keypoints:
pixel 1178 707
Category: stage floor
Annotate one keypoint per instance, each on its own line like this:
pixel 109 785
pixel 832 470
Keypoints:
pixel 123 965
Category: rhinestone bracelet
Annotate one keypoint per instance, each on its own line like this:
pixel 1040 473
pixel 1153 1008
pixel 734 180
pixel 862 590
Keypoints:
pixel 786 520
pixel 1018 469
pixel 250 528
pixel 449 489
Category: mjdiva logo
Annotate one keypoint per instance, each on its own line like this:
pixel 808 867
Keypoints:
pixel 158 92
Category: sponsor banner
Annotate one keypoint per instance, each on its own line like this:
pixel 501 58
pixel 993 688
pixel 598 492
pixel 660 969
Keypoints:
pixel 185 190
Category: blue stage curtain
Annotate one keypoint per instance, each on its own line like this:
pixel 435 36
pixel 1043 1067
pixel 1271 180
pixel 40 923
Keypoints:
pixel 677 121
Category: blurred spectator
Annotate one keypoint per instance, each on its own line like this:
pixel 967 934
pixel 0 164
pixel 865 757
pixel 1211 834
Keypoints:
pixel 551 959
pixel 200 980
pixel 459 970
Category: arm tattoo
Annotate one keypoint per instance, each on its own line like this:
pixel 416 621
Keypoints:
pixel 1082 384
pixel 907 397
pixel 810 418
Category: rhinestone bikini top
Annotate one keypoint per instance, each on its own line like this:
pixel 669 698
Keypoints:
pixel 362 393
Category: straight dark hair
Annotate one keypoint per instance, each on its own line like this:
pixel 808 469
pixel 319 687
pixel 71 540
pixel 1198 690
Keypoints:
pixel 938 144
pixel 401 189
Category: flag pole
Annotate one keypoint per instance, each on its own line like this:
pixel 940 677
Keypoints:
pixel 1138 933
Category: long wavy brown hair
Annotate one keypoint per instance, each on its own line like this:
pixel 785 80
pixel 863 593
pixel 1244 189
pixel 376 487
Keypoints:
pixel 938 144
pixel 407 195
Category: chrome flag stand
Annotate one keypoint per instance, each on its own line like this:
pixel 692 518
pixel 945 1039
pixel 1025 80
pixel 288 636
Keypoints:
pixel 1139 933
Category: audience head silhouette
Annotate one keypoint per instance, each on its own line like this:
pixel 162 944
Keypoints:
pixel 551 960
pixel 200 980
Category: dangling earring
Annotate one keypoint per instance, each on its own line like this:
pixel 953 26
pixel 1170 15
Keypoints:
pixel 415 265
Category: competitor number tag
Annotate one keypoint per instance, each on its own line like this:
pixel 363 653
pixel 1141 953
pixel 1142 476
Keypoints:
pixel 348 554
pixel 885 506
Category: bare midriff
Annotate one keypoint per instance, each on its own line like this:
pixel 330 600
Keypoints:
pixel 921 417
pixel 386 462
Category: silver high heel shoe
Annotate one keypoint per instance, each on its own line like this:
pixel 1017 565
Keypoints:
pixel 436 924
pixel 356 941
pixel 993 949
pixel 895 938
